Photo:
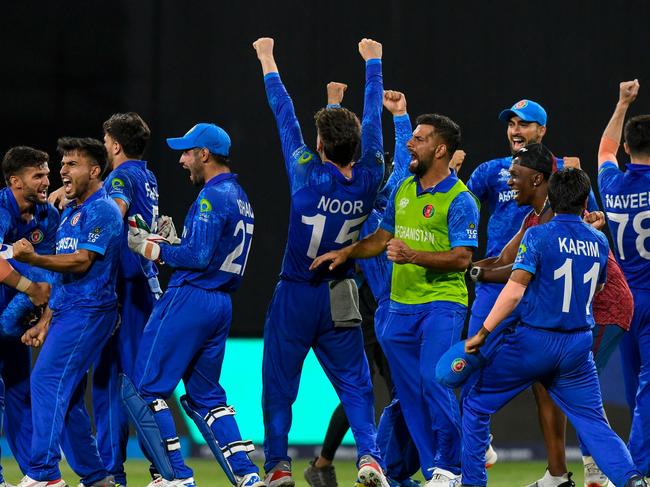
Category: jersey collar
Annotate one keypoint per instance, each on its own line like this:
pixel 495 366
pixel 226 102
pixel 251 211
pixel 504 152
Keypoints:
pixel 638 167
pixel 442 187
pixel 219 178
pixel 100 193
pixel 567 217
pixel 134 163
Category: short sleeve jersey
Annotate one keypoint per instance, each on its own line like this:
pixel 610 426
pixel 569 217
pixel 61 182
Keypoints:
pixel 137 186
pixel 216 239
pixel 568 259
pixel 626 199
pixel 96 226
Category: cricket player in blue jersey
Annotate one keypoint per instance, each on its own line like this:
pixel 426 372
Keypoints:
pixel 81 316
pixel 24 213
pixel 559 267
pixel 135 190
pixel 196 312
pixel 331 197
pixel 626 198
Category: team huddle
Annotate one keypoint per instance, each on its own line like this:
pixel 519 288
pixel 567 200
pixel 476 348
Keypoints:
pixel 552 301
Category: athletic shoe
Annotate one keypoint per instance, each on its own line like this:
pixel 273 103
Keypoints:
pixel 594 477
pixel 370 473
pixel 107 482
pixel 280 475
pixel 549 481
pixel 250 480
pixel 320 476
pixel 158 481
pixel 491 456
pixel 636 481
pixel 442 477
pixel 27 481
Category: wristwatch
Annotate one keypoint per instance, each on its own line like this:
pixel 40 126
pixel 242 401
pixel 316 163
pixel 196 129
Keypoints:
pixel 475 273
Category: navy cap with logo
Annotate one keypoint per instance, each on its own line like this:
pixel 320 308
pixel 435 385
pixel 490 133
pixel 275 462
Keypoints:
pixel 207 135
pixel 537 157
pixel 456 365
pixel 527 110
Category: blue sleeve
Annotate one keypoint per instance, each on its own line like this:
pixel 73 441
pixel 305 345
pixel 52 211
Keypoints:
pixel 48 245
pixel 203 235
pixel 388 219
pixel 602 278
pixel 478 181
pixel 528 255
pixel 120 186
pixel 372 144
pixel 462 221
pixel 592 204
pixel 607 173
pixel 402 159
pixel 99 226
pixel 296 154
pixel 5 222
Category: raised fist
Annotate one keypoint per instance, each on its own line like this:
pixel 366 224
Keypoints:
pixel 370 49
pixel 395 102
pixel 572 161
pixel 335 92
pixel 264 47
pixel 628 90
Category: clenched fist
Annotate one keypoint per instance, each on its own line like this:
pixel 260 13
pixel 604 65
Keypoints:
pixel 370 49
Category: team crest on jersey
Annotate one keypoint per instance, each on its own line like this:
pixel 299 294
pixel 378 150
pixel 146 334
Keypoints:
pixel 36 236
pixel 205 206
pixel 520 104
pixel 428 211
pixel 117 183
pixel 403 203
pixel 75 219
pixel 458 365
pixel 504 174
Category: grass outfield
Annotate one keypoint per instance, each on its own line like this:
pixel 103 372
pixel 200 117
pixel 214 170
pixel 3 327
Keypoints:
pixel 208 474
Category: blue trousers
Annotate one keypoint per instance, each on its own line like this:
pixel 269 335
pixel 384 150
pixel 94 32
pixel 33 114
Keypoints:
pixel 563 363
pixel 111 421
pixel 59 417
pixel 413 344
pixel 298 319
pixel 635 352
pixel 185 338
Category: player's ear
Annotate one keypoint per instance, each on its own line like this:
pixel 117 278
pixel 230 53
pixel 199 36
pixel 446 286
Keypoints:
pixel 441 151
pixel 542 131
pixel 15 181
pixel 95 171
pixel 626 148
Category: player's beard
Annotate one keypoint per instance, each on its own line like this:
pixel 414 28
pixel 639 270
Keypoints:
pixel 419 168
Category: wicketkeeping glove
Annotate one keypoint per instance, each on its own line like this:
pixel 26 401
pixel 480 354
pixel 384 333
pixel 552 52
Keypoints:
pixel 142 241
pixel 167 230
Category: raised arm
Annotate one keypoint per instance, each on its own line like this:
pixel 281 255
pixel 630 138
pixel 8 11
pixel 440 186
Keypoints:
pixel 335 92
pixel 395 103
pixel 372 145
pixel 611 139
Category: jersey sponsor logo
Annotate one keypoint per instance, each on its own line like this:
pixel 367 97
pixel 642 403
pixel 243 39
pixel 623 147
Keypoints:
pixel 472 231
pixel 36 236
pixel 413 234
pixel 205 206
pixel 428 211
pixel 578 247
pixel 305 157
pixel 521 252
pixel 67 243
pixel 345 207
pixel 458 365
pixel 75 219
pixel 504 174
pixel 520 104
pixel 624 201
pixel 505 196
pixel 117 183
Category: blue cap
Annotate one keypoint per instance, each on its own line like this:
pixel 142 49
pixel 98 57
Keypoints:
pixel 456 365
pixel 207 135
pixel 527 110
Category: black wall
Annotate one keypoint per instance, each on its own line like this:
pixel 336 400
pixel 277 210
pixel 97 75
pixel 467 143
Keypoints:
pixel 68 65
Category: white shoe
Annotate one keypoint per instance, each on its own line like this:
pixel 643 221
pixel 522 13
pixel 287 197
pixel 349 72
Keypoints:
pixel 442 477
pixel 27 481
pixel 250 480
pixel 594 477
pixel 158 481
pixel 549 481
pixel 491 456
pixel 370 473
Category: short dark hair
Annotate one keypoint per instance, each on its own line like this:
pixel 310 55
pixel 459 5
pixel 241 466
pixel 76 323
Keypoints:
pixel 445 128
pixel 568 190
pixel 130 131
pixel 637 135
pixel 91 148
pixel 18 158
pixel 340 131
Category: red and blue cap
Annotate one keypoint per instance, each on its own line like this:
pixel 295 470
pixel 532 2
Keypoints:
pixel 207 135
pixel 456 365
pixel 527 110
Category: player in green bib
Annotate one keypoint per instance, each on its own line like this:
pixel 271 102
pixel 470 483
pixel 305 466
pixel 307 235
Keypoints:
pixel 429 229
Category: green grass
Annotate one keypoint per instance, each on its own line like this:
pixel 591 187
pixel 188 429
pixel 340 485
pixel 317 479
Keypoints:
pixel 208 474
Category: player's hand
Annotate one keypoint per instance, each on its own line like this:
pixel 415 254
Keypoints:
pixel 335 258
pixel 474 343
pixel 335 92
pixel 167 230
pixel 23 250
pixel 457 160
pixel 39 293
pixel 571 161
pixel 141 241
pixel 398 252
pixel 395 102
pixel 263 47
pixel 596 219
pixel 370 49
pixel 628 90
pixel 58 199
pixel 35 336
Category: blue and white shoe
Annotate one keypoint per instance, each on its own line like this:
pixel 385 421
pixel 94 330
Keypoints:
pixel 250 480
pixel 158 481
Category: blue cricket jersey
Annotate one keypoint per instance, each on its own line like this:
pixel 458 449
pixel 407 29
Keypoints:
pixel 327 209
pixel 377 270
pixel 568 259
pixel 137 186
pixel 216 239
pixel 94 225
pixel 626 198
pixel 489 182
